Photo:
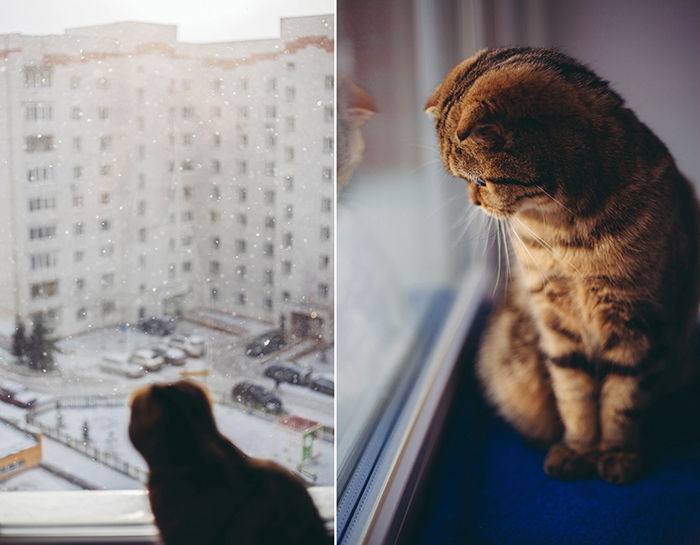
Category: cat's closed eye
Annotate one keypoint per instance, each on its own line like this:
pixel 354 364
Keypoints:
pixel 486 134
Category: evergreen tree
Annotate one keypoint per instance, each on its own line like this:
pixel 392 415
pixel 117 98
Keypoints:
pixel 40 348
pixel 19 341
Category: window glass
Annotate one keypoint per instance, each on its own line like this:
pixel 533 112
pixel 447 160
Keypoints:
pixel 147 184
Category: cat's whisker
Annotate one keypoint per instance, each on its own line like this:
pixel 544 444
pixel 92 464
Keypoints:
pixel 545 279
pixel 498 273
pixel 506 248
pixel 555 200
pixel 546 245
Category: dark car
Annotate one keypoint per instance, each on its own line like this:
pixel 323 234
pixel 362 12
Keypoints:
pixel 291 373
pixel 266 343
pixel 256 396
pixel 157 325
pixel 321 383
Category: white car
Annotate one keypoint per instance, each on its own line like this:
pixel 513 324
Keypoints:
pixel 148 359
pixel 193 345
pixel 120 365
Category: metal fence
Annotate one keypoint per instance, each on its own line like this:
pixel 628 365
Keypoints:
pixel 108 459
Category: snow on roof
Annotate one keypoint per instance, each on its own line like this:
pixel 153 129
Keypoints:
pixel 299 424
pixel 13 440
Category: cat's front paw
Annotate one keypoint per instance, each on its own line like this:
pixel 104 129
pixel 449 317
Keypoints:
pixel 620 466
pixel 563 462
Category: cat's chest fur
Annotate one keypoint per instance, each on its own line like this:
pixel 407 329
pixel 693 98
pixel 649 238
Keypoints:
pixel 561 285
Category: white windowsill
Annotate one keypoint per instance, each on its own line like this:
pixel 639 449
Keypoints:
pixel 97 516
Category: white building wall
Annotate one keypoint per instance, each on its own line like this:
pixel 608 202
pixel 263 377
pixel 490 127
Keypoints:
pixel 160 149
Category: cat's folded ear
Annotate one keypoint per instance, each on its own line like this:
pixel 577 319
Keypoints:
pixel 357 102
pixel 431 105
pixel 478 124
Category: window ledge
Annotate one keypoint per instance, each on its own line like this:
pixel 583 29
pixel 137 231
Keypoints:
pixel 92 517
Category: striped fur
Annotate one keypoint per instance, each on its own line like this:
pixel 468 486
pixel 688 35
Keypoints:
pixel 596 320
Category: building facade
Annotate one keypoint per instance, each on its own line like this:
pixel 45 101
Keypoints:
pixel 144 175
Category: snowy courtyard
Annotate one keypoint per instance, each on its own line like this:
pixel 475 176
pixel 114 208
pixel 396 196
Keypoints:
pixel 77 373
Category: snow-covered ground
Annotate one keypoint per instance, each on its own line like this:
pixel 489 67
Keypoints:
pixel 225 364
pixel 36 478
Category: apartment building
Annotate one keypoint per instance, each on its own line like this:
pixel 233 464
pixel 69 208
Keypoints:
pixel 143 175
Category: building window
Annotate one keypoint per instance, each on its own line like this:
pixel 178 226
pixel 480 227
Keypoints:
pixel 286 267
pixel 186 266
pixel 286 296
pixel 289 154
pixel 216 242
pixel 271 141
pixel 287 240
pixel 215 193
pixel 187 139
pixel 103 112
pixel 240 245
pixel 216 166
pixel 141 208
pixel 214 294
pixel 241 298
pixel 81 314
pixel 108 307
pixel 77 171
pixel 43 290
pixel 41 203
pixel 78 256
pixel 105 143
pixel 186 165
pixel 105 198
pixel 78 201
pixel 328 144
pixel 79 284
pixel 38 76
pixel 290 94
pixel 38 143
pixel 269 168
pixel 325 232
pixel 323 291
pixel 214 268
pixel 288 183
pixel 242 194
pixel 107 280
pixel 326 205
pixel 142 234
pixel 328 114
pixel 288 212
pixel 269 222
pixel 327 174
pixel 242 219
pixel 271 112
pixel 323 262
pixel 187 240
pixel 40 174
pixel 240 271
pixel 74 82
pixel 268 278
pixel 105 225
pixel 107 250
pixel 329 82
pixel 267 303
pixel 216 140
pixel 243 112
pixel 270 196
pixel 42 261
pixel 105 170
pixel 41 232
pixel 37 111
pixel 242 142
pixel 269 249
pixel 289 123
pixel 291 67
pixel 187 112
pixel 78 228
pixel 77 143
pixel 214 216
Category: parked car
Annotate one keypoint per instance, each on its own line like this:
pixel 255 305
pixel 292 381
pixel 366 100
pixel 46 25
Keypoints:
pixel 171 355
pixel 157 325
pixel 256 396
pixel 147 358
pixel 17 394
pixel 322 383
pixel 193 345
pixel 266 343
pixel 288 372
pixel 118 364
